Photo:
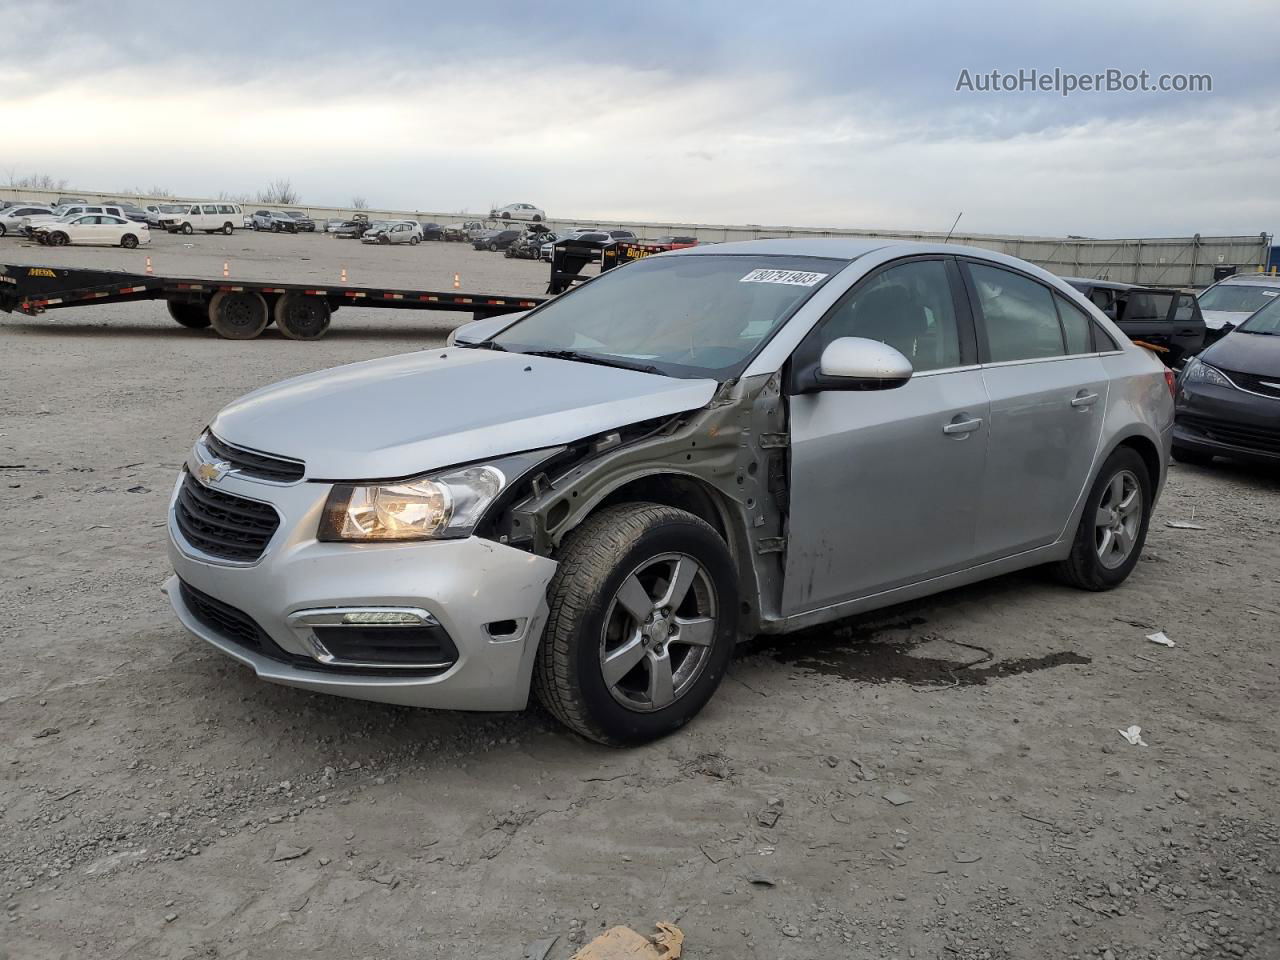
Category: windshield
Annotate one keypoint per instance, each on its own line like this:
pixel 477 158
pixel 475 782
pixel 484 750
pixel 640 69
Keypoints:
pixel 1266 320
pixel 686 316
pixel 1237 297
pixel 172 208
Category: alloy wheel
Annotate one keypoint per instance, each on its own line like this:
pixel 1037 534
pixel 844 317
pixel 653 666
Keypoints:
pixel 1118 519
pixel 658 632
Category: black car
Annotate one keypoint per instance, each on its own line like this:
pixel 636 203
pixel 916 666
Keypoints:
pixel 432 231
pixel 351 229
pixel 1228 398
pixel 305 223
pixel 1165 318
pixel 495 239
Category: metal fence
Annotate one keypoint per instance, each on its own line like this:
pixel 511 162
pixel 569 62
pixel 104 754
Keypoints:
pixel 1164 261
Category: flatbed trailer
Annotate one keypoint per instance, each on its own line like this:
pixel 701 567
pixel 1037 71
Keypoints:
pixel 237 310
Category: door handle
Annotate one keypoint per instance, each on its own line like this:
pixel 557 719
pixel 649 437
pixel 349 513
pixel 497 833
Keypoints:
pixel 961 427
pixel 1084 399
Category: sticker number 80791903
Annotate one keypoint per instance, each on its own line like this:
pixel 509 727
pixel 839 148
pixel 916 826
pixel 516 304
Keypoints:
pixel 795 278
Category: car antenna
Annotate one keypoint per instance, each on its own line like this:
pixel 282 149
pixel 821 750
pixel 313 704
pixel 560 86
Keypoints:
pixel 953 226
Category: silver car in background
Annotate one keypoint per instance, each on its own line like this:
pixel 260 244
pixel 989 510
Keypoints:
pixel 598 498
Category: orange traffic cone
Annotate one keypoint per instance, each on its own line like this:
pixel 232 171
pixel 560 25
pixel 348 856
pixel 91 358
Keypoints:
pixel 344 274
pixel 150 272
pixel 457 282
pixel 226 268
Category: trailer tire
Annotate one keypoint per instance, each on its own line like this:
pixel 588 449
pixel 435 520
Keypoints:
pixel 300 317
pixel 129 241
pixel 187 229
pixel 238 315
pixel 194 316
pixel 228 229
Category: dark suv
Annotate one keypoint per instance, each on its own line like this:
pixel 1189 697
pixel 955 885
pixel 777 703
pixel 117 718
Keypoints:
pixel 1162 317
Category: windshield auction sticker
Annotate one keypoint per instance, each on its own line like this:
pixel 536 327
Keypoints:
pixel 795 278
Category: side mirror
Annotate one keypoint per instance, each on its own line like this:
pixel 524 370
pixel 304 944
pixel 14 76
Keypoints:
pixel 856 363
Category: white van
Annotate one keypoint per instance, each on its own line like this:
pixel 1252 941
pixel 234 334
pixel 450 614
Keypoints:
pixel 209 217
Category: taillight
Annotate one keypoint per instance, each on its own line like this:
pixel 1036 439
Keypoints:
pixel 1171 381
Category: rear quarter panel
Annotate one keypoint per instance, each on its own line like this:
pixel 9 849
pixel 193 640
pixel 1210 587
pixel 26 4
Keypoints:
pixel 1139 405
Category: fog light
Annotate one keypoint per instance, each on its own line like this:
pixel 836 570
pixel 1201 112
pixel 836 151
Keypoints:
pixel 381 617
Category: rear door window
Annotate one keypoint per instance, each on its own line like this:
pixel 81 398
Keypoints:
pixel 1076 326
pixel 1018 314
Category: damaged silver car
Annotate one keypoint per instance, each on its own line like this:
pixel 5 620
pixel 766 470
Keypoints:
pixel 597 499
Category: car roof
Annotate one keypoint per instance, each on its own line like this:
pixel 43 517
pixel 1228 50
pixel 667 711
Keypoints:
pixel 1106 284
pixel 1253 280
pixel 839 248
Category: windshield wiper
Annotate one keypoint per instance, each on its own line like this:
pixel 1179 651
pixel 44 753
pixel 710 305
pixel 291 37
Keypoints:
pixel 592 358
pixel 482 345
pixel 1257 333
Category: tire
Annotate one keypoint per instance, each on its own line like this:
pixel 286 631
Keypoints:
pixel 640 545
pixel 3 231
pixel 300 317
pixel 493 247
pixel 275 228
pixel 194 316
pixel 238 315
pixel 187 229
pixel 506 216
pixel 58 239
pixel 1103 557
pixel 1194 458
pixel 228 229
pixel 537 218
pixel 384 239
pixel 414 241
pixel 129 241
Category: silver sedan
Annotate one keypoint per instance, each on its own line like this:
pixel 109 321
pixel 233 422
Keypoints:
pixel 595 500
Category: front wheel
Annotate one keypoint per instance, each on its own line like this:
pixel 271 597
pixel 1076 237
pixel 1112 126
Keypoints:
pixel 58 239
pixel 1113 527
pixel 493 248
pixel 128 241
pixel 642 623
pixel 187 229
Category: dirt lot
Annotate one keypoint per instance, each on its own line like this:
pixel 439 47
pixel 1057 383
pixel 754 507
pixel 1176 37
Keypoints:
pixel 158 801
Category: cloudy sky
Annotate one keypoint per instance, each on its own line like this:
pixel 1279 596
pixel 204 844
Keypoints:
pixel 822 114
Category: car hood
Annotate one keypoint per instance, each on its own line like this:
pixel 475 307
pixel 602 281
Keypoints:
pixel 408 414
pixel 1217 319
pixel 1250 353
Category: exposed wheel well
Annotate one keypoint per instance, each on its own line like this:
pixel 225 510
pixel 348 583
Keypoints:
pixel 683 493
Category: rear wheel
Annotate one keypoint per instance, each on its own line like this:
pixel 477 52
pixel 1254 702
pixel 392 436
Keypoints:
pixel 414 241
pixel 642 623
pixel 238 315
pixel 128 241
pixel 192 315
pixel 300 317
pixel 1193 457
pixel 187 229
pixel 1113 527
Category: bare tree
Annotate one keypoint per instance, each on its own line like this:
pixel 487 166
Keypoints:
pixel 359 203
pixel 35 181
pixel 279 192
pixel 229 197
pixel 159 193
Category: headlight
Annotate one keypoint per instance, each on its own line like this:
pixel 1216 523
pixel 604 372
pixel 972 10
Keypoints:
pixel 440 506
pixel 1197 371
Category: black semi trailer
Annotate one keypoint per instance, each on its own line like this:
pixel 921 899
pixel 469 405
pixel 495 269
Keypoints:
pixel 237 311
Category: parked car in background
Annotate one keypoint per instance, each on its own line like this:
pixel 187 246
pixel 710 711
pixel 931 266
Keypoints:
pixel 588 509
pixel 66 213
pixel 274 221
pixel 156 211
pixel 1229 302
pixel 528 245
pixel 349 229
pixel 669 242
pixel 304 222
pixel 519 211
pixel 432 231
pixel 462 231
pixel 396 231
pixel 1228 402
pixel 101 229
pixel 493 240
pixel 12 218
pixel 209 217
pixel 594 236
pixel 71 201
pixel 131 210
pixel 1169 320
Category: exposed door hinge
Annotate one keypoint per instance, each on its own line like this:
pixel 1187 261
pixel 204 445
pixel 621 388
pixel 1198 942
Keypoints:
pixel 771 544
pixel 773 441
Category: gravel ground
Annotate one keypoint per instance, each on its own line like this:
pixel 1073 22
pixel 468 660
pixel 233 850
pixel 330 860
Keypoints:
pixel 944 779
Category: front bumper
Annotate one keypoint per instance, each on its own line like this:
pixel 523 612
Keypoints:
pixel 1227 422
pixel 469 586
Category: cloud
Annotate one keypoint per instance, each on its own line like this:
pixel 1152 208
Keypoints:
pixel 812 113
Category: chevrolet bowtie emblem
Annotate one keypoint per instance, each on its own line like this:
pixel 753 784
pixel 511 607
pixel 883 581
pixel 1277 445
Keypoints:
pixel 213 472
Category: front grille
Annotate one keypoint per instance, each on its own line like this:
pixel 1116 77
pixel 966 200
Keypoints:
pixel 222 525
pixel 1267 386
pixel 225 620
pixel 1266 439
pixel 263 466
